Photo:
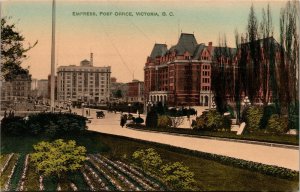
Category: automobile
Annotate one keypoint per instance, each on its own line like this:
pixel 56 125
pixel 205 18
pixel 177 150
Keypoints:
pixel 100 114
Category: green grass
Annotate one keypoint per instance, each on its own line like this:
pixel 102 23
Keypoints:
pixel 263 137
pixel 210 175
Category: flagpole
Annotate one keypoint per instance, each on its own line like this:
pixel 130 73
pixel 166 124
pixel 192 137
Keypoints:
pixel 52 97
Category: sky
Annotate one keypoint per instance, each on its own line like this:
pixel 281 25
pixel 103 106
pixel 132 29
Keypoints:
pixel 120 41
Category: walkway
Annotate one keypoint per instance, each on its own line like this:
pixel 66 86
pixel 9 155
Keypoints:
pixel 283 157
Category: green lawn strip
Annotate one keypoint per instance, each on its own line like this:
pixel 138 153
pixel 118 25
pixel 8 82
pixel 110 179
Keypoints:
pixel 16 177
pixel 7 171
pixel 122 173
pixel 78 180
pixel 280 139
pixel 50 183
pixel 106 181
pixel 32 178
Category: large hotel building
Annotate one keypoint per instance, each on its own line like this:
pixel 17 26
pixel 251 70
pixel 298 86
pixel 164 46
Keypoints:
pixel 179 76
pixel 85 83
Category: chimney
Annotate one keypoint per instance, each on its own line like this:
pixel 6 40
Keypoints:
pixel 210 46
pixel 91 61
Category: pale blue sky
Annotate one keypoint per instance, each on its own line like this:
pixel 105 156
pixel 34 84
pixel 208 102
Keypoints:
pixel 131 37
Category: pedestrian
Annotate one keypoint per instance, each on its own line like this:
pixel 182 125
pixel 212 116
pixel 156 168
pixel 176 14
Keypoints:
pixel 122 123
pixel 5 114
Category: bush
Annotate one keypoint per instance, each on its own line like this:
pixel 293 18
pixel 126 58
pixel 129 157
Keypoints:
pixel 277 125
pixel 164 121
pixel 48 123
pixel 267 112
pixel 139 120
pixel 58 158
pixel 178 176
pixel 151 119
pixel 253 117
pixel 215 121
pixel 13 126
pixel 199 123
pixel 149 159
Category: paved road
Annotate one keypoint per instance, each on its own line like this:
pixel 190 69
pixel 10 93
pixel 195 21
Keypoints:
pixel 283 157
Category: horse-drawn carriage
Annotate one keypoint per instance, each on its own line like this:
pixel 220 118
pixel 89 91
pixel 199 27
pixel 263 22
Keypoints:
pixel 100 114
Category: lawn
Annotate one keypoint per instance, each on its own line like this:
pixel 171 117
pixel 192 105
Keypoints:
pixel 210 175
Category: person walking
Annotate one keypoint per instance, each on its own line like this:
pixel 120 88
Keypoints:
pixel 123 121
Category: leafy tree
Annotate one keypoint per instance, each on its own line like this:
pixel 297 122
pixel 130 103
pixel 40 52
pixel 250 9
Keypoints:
pixel 178 175
pixel 151 119
pixel 58 158
pixel 118 94
pixel 149 159
pixel 12 50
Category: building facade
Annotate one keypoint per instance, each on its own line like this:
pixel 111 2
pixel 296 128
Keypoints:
pixel 135 91
pixel 17 89
pixel 85 83
pixel 179 76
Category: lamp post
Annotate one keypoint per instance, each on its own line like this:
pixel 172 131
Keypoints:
pixel 129 107
pixel 246 101
pixel 213 105
pixel 149 105
pixel 82 107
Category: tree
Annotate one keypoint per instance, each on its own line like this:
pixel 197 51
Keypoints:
pixel 178 176
pixel 177 121
pixel 222 81
pixel 289 57
pixel 254 65
pixel 12 50
pixel 58 158
pixel 118 94
pixel 151 119
pixel 149 159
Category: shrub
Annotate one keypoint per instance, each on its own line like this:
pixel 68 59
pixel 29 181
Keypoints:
pixel 277 125
pixel 178 176
pixel 139 120
pixel 164 121
pixel 151 119
pixel 253 117
pixel 214 120
pixel 58 158
pixel 13 125
pixel 199 123
pixel 267 112
pixel 149 159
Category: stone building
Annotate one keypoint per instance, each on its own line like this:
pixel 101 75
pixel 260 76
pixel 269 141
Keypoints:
pixel 135 91
pixel 84 83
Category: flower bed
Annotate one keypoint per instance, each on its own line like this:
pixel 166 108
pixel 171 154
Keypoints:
pixel 6 163
pixel 136 179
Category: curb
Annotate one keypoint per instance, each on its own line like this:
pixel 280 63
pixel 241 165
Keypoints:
pixel 224 139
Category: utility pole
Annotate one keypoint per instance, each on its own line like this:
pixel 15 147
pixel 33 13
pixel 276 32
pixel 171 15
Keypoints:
pixel 52 96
